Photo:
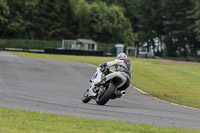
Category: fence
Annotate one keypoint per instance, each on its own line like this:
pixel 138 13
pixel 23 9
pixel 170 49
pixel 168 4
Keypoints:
pixel 74 52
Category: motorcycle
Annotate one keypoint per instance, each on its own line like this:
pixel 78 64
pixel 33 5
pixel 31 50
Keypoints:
pixel 108 89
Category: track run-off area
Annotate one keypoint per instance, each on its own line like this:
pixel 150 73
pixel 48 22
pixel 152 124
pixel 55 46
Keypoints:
pixel 57 87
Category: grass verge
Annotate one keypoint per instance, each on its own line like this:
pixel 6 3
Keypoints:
pixel 16 121
pixel 175 83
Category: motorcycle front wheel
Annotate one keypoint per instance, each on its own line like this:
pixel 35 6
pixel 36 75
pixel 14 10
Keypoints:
pixel 86 98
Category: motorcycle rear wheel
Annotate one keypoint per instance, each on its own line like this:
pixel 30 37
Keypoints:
pixel 85 98
pixel 102 99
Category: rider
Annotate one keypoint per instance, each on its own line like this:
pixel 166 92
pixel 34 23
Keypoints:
pixel 121 64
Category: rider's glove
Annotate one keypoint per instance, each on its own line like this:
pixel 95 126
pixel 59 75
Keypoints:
pixel 103 65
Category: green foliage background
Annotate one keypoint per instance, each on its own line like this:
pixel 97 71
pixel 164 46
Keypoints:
pixel 170 28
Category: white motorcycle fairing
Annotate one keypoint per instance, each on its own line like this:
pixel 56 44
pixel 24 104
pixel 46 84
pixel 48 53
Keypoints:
pixel 121 78
pixel 95 79
pixel 121 75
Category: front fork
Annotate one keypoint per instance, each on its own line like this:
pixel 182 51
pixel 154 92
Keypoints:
pixel 98 78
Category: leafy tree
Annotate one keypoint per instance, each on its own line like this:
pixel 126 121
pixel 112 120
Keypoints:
pixel 81 12
pixel 197 16
pixel 150 23
pixel 146 20
pixel 47 20
pixel 28 16
pixel 130 7
pixel 68 28
pixel 163 22
pixel 4 13
pixel 177 26
pixel 108 24
pixel 195 37
pixel 54 19
pixel 16 24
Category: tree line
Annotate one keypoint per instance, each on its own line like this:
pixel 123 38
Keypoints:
pixel 167 27
pixel 64 19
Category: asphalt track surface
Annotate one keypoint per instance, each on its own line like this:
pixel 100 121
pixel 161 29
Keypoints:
pixel 57 87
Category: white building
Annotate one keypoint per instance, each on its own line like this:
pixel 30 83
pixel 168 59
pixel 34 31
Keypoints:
pixel 79 44
pixel 86 44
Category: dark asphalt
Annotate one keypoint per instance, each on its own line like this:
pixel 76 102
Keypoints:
pixel 57 87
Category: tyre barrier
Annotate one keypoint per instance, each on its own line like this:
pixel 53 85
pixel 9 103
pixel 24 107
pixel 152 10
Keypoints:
pixel 74 52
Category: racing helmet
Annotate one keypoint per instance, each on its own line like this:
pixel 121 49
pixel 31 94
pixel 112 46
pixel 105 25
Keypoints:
pixel 122 56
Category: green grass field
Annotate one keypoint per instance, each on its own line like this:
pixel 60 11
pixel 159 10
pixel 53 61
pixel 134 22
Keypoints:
pixel 176 83
pixel 16 121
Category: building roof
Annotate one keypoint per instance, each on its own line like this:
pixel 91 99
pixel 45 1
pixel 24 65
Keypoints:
pixel 119 45
pixel 88 41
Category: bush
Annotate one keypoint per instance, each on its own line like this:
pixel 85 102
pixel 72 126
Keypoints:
pixel 107 48
pixel 28 44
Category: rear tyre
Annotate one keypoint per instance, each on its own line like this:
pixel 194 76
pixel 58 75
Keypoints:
pixel 105 97
pixel 86 98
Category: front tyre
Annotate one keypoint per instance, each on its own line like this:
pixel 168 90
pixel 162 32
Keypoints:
pixel 86 98
pixel 102 99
